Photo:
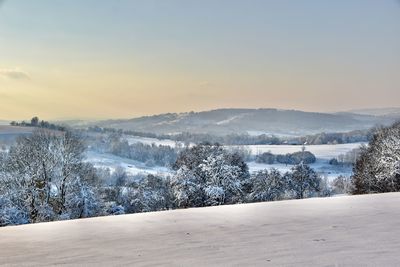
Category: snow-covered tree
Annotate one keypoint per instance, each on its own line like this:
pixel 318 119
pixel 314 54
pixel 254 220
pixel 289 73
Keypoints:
pixel 119 176
pixel 223 183
pixel 215 195
pixel 325 188
pixel 378 166
pixel 268 186
pixel 115 209
pixel 303 181
pixel 341 185
pixel 193 157
pixel 209 175
pixel 82 202
pixel 11 214
pixel 40 173
pixel 152 193
pixel 187 188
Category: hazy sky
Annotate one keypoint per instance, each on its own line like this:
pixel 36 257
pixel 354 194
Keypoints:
pixel 109 59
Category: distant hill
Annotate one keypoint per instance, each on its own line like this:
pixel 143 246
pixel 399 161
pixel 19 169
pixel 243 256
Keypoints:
pixel 252 121
pixel 388 112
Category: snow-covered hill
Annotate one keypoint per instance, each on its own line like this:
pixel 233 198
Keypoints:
pixel 389 112
pixel 338 231
pixel 9 133
pixel 268 121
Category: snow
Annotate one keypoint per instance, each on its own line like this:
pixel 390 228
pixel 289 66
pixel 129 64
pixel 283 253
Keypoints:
pixel 149 141
pixel 338 231
pixel 231 119
pixel 132 167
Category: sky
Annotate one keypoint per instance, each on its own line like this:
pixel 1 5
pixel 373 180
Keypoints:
pixel 98 59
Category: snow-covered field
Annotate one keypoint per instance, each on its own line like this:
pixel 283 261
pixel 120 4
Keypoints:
pixel 338 231
pixel 132 167
pixel 323 153
pixel 149 141
pixel 320 151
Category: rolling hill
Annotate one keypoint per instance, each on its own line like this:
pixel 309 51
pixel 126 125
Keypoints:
pixel 252 121
pixel 10 133
pixel 388 112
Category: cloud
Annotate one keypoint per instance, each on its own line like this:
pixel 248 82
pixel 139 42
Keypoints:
pixel 14 74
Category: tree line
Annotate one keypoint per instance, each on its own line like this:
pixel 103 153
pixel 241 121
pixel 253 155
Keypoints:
pixel 246 139
pixel 294 158
pixel 43 177
pixel 36 122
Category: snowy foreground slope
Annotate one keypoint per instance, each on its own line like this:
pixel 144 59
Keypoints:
pixel 339 231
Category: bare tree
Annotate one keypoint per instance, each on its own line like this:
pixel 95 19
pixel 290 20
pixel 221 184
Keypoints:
pixel 44 171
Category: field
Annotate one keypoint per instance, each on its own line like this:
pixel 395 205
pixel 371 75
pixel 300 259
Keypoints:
pixel 337 231
pixel 14 130
pixel 132 167
pixel 8 134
